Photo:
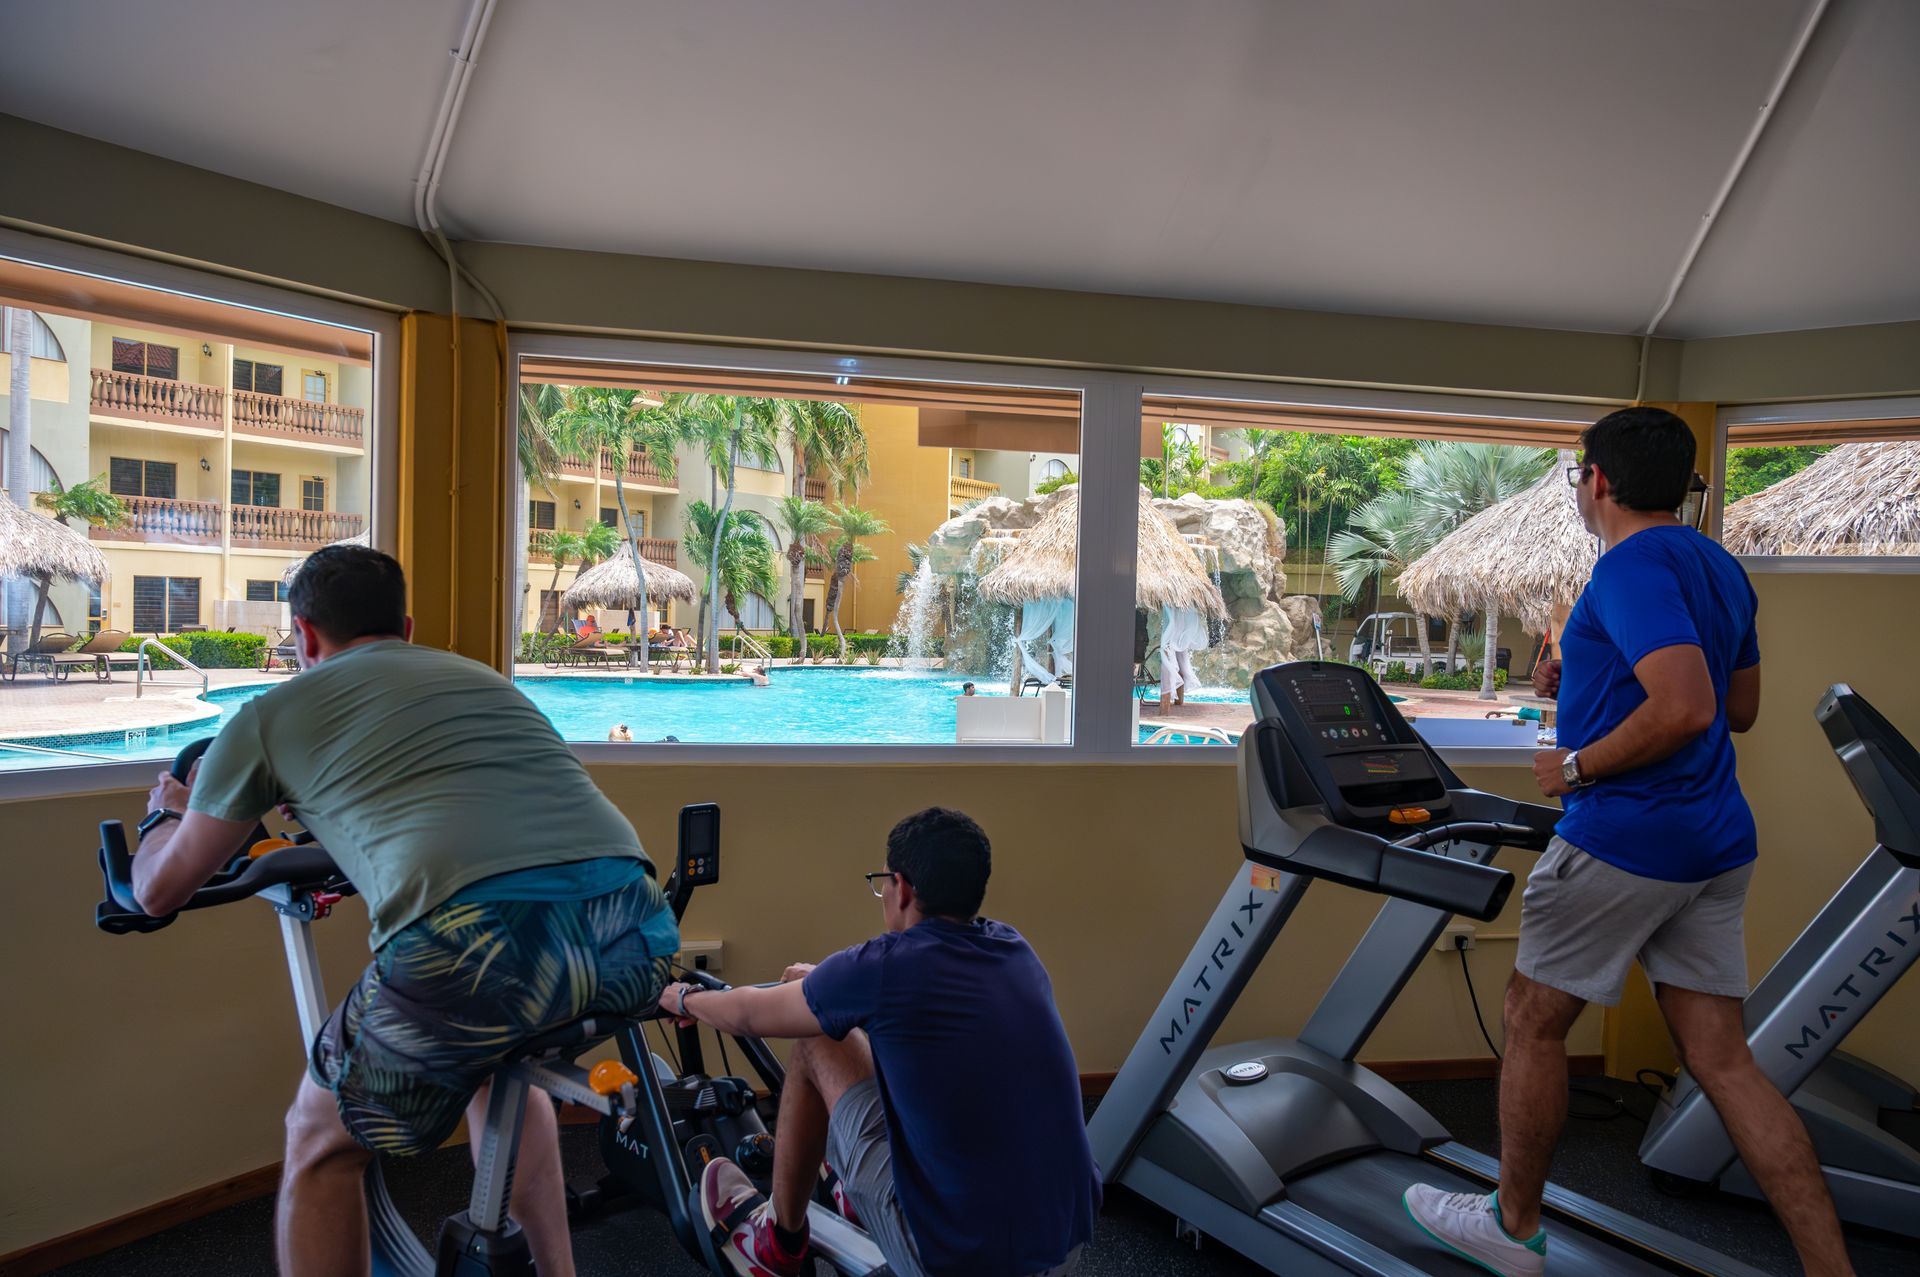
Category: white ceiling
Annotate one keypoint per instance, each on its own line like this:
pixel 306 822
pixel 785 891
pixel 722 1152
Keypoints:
pixel 1539 162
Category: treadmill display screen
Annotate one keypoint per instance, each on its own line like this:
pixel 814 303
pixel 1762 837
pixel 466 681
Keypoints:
pixel 1336 709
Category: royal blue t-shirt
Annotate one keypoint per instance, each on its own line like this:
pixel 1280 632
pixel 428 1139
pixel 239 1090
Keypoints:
pixel 982 1095
pixel 1682 819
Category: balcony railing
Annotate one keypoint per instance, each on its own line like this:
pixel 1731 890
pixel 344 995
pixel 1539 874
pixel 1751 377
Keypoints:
pixel 280 417
pixel 962 490
pixel 655 549
pixel 166 522
pixel 816 489
pixel 817 546
pixel 279 528
pixel 132 394
pixel 640 469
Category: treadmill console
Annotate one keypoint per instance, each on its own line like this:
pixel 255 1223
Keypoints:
pixel 1347 747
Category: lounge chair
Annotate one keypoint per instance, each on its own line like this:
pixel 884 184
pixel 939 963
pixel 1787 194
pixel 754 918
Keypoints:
pixel 284 650
pixel 41 654
pixel 102 652
pixel 588 650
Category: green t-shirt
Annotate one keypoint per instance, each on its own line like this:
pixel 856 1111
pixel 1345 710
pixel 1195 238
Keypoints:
pixel 420 771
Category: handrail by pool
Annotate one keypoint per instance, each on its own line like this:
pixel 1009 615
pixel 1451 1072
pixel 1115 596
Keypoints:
pixel 144 668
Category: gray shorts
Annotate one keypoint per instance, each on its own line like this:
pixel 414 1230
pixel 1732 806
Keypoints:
pixel 1583 922
pixel 858 1152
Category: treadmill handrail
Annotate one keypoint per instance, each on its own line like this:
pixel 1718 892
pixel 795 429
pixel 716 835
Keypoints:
pixel 1304 841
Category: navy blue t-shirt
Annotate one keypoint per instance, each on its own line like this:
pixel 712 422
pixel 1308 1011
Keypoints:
pixel 1682 819
pixel 982 1095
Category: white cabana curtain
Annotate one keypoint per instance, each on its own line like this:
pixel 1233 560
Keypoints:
pixel 1047 622
pixel 1183 631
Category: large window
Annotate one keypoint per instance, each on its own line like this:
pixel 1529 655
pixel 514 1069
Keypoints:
pixel 1374 533
pixel 45 344
pixel 847 560
pixel 188 445
pixel 1822 481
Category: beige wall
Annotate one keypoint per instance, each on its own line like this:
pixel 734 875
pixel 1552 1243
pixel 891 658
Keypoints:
pixel 908 490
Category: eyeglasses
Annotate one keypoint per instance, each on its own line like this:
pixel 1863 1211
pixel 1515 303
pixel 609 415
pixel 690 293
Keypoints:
pixel 877 881
pixel 1575 474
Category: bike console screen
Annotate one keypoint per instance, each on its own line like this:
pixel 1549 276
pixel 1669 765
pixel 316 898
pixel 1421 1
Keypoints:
pixel 1363 759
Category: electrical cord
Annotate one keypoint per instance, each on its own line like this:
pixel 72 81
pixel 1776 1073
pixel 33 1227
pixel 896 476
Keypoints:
pixel 1609 1106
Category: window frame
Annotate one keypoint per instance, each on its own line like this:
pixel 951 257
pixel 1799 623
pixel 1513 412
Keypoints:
pixel 1757 414
pixel 383 326
pixel 305 497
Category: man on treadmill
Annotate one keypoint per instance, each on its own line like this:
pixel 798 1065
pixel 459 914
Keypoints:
pixel 507 895
pixel 931 1073
pixel 1652 857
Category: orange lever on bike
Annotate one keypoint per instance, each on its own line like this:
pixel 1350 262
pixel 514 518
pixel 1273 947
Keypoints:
pixel 266 845
pixel 608 1076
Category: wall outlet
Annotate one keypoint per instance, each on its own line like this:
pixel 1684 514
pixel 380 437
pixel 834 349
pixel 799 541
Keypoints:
pixel 1456 935
pixel 701 955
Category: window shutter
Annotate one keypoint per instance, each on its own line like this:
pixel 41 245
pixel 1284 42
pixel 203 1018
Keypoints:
pixel 266 378
pixel 266 489
pixel 260 591
pixel 183 601
pixel 161 477
pixel 243 374
pixel 123 477
pixel 150 604
pixel 240 490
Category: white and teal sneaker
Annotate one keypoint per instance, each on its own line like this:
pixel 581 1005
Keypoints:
pixel 1469 1225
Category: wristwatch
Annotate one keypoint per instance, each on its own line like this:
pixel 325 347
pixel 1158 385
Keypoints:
pixel 1570 770
pixel 154 818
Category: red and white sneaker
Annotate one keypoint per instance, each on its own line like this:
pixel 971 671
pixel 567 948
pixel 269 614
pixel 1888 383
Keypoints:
pixel 842 1202
pixel 740 1221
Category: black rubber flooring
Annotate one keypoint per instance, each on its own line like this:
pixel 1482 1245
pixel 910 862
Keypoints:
pixel 1134 1239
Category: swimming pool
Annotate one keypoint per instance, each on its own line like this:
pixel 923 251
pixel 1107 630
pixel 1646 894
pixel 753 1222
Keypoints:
pixel 799 706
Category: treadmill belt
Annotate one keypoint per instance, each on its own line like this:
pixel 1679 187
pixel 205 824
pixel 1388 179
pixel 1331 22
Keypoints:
pixel 1363 1196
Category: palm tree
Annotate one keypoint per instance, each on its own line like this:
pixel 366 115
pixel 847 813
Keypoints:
pixel 20 457
pixel 743 555
pixel 1381 538
pixel 850 523
pixel 800 520
pixel 827 434
pixel 622 423
pixel 93 505
pixel 727 428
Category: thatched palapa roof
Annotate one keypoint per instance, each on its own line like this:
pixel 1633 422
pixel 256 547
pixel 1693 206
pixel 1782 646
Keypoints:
pixel 35 547
pixel 1861 498
pixel 293 568
pixel 1528 555
pixel 612 584
pixel 1041 563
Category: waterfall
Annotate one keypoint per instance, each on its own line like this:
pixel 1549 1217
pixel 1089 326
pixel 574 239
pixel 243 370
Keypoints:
pixel 914 625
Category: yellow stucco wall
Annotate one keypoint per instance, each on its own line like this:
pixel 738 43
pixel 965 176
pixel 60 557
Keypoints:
pixel 47 378
pixel 908 489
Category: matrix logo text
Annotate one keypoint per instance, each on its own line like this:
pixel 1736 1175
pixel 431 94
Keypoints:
pixel 1203 978
pixel 1848 991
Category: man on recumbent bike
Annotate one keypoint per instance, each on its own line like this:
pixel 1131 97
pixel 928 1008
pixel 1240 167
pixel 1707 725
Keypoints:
pixel 507 895
pixel 931 1072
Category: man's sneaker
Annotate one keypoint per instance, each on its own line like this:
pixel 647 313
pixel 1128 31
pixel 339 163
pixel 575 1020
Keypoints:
pixel 837 1189
pixel 1469 1225
pixel 740 1221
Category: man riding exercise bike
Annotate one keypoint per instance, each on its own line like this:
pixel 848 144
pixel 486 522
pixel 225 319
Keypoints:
pixel 438 789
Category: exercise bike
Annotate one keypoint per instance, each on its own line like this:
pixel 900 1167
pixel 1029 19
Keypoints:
pixel 640 1118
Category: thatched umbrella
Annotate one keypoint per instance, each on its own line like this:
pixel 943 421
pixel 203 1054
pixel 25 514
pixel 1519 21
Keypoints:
pixel 1529 555
pixel 612 583
pixel 1861 498
pixel 44 551
pixel 293 568
pixel 1041 564
pixel 1037 574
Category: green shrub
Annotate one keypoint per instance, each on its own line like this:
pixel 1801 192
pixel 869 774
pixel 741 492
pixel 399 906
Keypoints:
pixel 1464 681
pixel 210 651
pixel 1396 672
pixel 729 667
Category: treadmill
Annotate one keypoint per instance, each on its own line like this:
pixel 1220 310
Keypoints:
pixel 1285 1149
pixel 1864 1121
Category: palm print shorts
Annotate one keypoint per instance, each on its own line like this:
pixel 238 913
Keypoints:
pixel 453 994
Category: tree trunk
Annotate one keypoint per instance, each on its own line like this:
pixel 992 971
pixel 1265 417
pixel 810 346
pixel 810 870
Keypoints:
pixel 559 563
pixel 19 460
pixel 40 607
pixel 713 555
pixel 842 565
pixel 639 568
pixel 1492 649
pixel 1426 645
pixel 796 592
pixel 1453 645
